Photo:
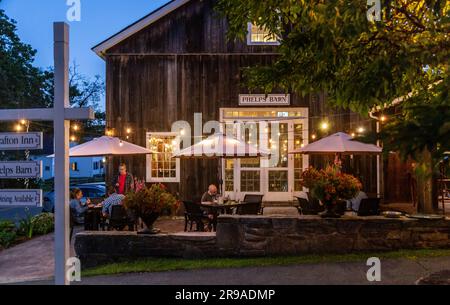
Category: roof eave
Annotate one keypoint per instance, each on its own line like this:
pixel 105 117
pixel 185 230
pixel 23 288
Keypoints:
pixel 132 29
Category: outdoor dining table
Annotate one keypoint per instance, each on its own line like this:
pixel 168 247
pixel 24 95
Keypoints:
pixel 216 209
pixel 93 218
pixel 224 208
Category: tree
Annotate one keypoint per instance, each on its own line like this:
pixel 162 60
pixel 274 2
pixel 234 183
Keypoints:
pixel 83 92
pixel 20 81
pixel 333 46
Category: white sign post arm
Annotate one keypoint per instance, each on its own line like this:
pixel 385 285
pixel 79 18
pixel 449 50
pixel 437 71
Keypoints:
pixel 61 133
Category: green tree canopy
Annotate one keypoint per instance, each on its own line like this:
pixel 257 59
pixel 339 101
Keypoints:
pixel 332 46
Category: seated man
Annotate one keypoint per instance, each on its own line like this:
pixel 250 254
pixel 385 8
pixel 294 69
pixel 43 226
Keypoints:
pixel 113 199
pixel 209 198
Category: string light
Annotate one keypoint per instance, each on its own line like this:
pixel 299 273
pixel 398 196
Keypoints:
pixel 324 126
pixel 23 122
pixel 353 135
pixel 18 127
pixel 76 127
pixel 73 139
pixel 313 137
pixel 361 130
pixel 383 118
pixel 128 130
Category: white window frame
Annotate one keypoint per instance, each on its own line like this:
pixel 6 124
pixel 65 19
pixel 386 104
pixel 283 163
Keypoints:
pixel 151 179
pixel 258 43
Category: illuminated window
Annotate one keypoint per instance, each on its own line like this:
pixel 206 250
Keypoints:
pixel 161 167
pixel 74 166
pixel 260 36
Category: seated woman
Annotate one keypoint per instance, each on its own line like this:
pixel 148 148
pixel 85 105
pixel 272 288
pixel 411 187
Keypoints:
pixel 77 207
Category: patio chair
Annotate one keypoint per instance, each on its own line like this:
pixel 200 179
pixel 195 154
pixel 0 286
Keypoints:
pixel 369 207
pixel 193 214
pixel 118 219
pixel 252 208
pixel 253 198
pixel 304 207
pixel 314 204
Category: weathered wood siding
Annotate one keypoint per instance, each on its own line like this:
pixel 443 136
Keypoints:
pixel 183 64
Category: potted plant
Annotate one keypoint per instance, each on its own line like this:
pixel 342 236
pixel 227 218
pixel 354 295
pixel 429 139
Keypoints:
pixel 148 203
pixel 330 186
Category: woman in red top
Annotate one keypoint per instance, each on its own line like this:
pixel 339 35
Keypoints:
pixel 124 181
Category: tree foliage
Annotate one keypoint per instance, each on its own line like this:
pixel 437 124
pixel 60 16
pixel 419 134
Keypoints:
pixel 22 85
pixel 332 46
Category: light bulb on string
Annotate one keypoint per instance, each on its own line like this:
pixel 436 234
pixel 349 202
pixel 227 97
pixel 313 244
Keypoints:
pixel 324 126
pixel 23 122
pixel 18 127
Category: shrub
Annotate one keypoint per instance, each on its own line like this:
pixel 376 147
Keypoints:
pixel 26 226
pixel 43 223
pixel 7 234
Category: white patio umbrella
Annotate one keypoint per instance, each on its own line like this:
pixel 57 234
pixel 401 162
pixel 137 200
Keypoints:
pixel 221 146
pixel 339 143
pixel 106 146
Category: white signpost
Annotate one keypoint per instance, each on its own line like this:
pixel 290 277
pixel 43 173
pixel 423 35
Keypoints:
pixel 20 169
pixel 21 198
pixel 61 115
pixel 20 140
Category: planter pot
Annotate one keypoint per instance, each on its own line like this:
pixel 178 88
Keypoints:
pixel 149 220
pixel 330 211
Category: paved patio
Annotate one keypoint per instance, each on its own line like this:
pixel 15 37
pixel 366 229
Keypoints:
pixel 34 259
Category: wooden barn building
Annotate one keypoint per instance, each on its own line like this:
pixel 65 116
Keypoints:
pixel 176 62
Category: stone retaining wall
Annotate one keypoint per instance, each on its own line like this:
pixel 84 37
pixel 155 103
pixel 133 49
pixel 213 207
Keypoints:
pixel 260 236
pixel 250 236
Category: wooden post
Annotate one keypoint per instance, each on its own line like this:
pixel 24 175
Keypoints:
pixel 61 132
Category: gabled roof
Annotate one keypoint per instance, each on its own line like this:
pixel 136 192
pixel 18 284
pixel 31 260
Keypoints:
pixel 154 16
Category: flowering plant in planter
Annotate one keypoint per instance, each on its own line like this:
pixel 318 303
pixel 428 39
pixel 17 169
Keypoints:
pixel 148 203
pixel 330 186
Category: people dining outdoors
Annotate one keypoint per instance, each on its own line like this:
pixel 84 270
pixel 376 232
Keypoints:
pixel 78 208
pixel 124 181
pixel 114 198
pixel 209 198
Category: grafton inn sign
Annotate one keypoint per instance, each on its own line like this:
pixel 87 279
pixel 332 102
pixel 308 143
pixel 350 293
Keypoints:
pixel 264 100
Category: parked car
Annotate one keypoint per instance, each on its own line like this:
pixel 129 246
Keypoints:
pixel 95 191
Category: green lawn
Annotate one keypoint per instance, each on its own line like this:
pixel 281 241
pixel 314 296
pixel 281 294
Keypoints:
pixel 160 264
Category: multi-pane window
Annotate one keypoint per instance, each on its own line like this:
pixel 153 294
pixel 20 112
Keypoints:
pixel 278 181
pixel 250 181
pixel 298 158
pixel 229 175
pixel 162 168
pixel 260 35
